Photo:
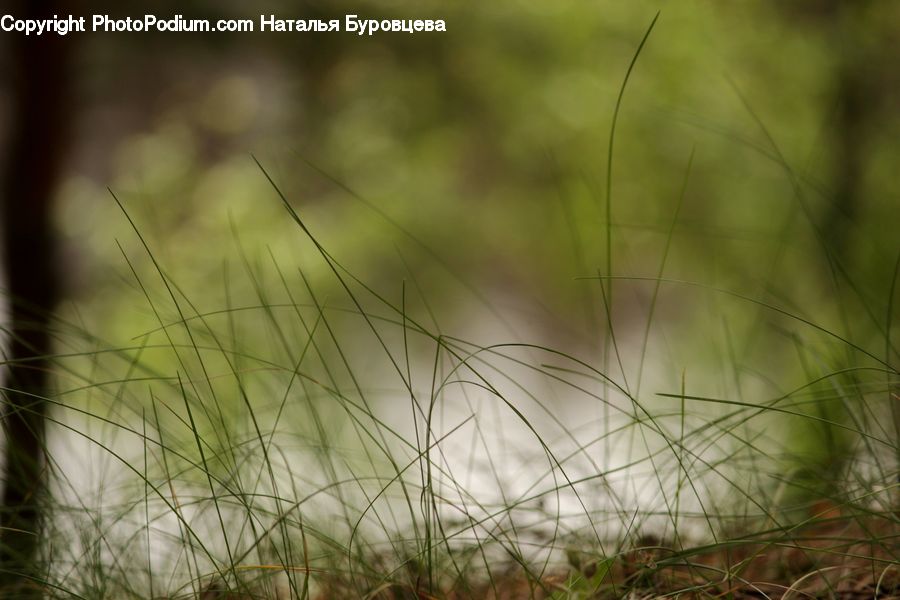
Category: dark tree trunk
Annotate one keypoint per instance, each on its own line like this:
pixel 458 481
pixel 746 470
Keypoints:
pixel 854 97
pixel 856 79
pixel 34 158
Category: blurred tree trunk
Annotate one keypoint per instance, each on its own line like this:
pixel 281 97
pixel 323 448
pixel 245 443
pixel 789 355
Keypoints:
pixel 863 81
pixel 40 119
pixel 860 82
pixel 855 89
pixel 854 95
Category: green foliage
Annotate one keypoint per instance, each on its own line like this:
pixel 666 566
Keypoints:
pixel 422 339
pixel 586 578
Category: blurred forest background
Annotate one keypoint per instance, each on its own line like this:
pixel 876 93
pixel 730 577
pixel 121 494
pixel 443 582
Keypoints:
pixel 489 144
pixel 472 165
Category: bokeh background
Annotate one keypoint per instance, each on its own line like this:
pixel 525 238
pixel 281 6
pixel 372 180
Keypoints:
pixel 489 143
pixel 465 174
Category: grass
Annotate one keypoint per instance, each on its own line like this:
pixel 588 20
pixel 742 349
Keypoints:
pixel 294 439
pixel 292 446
